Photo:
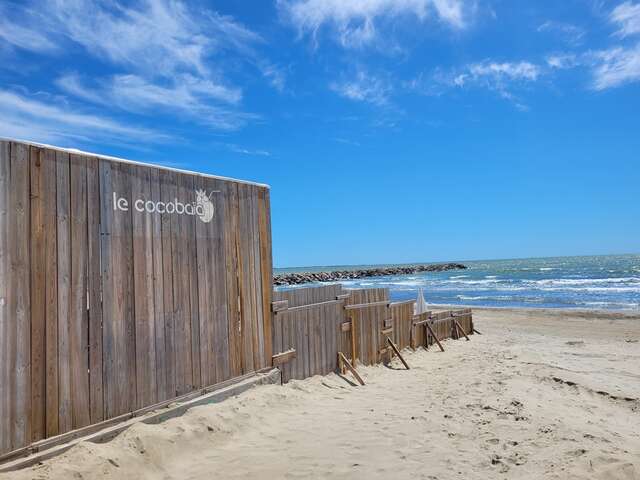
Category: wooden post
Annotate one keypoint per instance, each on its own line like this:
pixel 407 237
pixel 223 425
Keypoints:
pixel 345 363
pixel 460 329
pixel 397 352
pixel 434 335
pixel 353 339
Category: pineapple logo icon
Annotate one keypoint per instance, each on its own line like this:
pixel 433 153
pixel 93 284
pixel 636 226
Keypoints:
pixel 204 206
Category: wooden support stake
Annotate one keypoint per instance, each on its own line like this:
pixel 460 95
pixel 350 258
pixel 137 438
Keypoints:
pixel 434 336
pixel 397 352
pixel 350 367
pixel 460 329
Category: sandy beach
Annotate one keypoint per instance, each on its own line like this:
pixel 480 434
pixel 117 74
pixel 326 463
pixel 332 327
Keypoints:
pixel 541 394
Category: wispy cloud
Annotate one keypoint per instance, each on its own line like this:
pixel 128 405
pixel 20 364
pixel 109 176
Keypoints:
pixel 615 67
pixel 187 95
pixel 355 24
pixel 500 77
pixel 31 119
pixel 247 151
pixel 364 87
pixel 569 33
pixel 170 56
pixel 627 17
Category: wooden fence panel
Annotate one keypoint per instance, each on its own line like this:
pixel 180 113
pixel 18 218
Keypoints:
pixel 122 285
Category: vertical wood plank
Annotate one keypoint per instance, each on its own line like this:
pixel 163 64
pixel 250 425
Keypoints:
pixel 167 194
pixel 109 344
pixel 266 270
pixel 79 321
pixel 19 295
pixel 63 193
pixel 233 277
pixel 94 285
pixel 143 287
pixel 158 291
pixel 188 197
pixel 5 345
pixel 220 288
pixel 38 295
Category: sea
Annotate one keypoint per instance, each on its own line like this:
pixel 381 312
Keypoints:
pixel 603 282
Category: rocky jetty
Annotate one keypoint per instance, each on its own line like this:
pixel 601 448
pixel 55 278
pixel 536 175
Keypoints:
pixel 335 276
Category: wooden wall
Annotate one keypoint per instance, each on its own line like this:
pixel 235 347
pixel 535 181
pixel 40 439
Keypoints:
pixel 105 311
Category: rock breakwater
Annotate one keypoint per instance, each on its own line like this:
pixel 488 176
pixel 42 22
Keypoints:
pixel 298 278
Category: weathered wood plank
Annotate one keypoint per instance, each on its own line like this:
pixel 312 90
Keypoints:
pixel 144 304
pixel 19 295
pixel 94 287
pixel 38 295
pixel 167 194
pixel 266 267
pixel 63 205
pixel 6 348
pixel 158 291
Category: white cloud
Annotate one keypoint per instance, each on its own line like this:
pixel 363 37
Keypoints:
pixel 568 32
pixel 186 95
pixel 501 77
pixel 30 119
pixel 247 151
pixel 169 55
pixel 364 87
pixel 616 66
pixel 627 17
pixel 562 61
pixel 355 22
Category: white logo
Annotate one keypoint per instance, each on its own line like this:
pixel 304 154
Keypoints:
pixel 202 207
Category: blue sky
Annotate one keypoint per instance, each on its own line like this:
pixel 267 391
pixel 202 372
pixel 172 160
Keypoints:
pixel 389 131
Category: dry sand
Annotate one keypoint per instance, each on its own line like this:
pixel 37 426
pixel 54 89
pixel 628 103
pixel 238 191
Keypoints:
pixel 542 394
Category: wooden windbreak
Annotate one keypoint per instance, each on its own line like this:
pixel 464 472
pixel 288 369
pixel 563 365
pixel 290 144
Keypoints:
pixel 311 325
pixel 105 309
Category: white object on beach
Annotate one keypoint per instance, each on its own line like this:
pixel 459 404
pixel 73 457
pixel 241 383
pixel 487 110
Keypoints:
pixel 421 305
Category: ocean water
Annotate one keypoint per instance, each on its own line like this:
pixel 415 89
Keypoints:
pixel 610 282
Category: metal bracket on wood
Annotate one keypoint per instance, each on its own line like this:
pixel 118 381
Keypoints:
pixel 342 360
pixel 397 352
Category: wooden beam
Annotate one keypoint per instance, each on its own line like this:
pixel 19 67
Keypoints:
pixel 366 305
pixel 279 305
pixel 476 331
pixel 397 352
pixel 283 357
pixel 460 329
pixel 387 331
pixel 345 327
pixel 405 302
pixel 343 296
pixel 432 333
pixel 350 367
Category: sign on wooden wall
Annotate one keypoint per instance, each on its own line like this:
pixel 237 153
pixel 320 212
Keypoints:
pixel 122 285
